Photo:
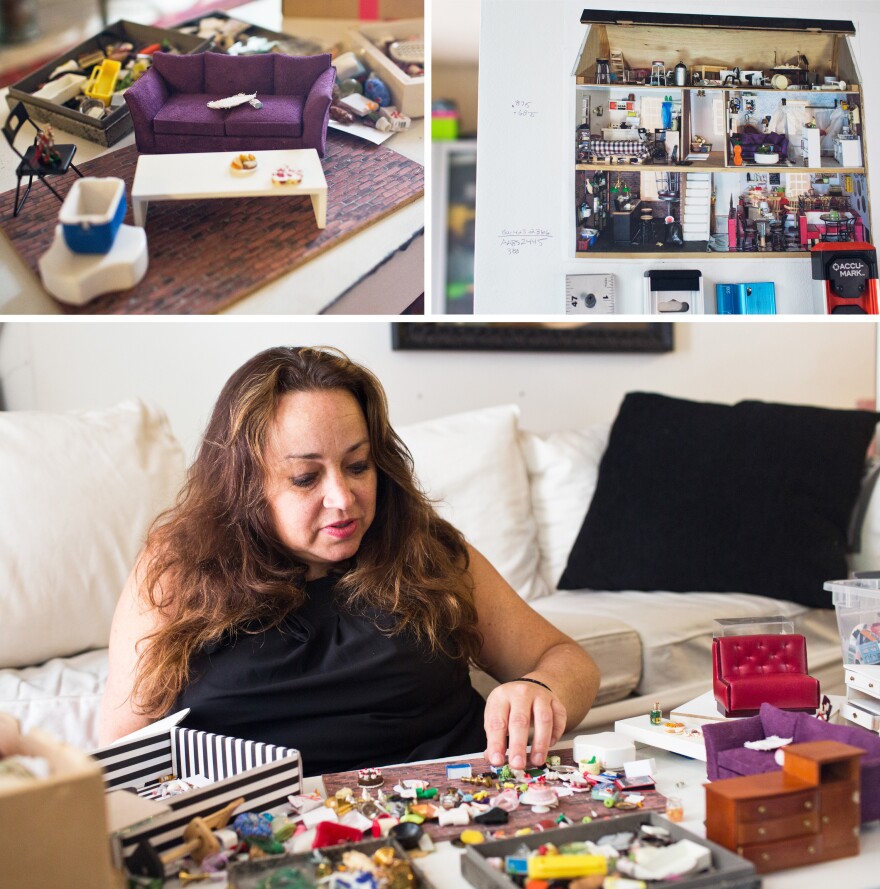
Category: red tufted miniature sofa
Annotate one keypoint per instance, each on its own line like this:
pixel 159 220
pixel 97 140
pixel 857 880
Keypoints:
pixel 748 671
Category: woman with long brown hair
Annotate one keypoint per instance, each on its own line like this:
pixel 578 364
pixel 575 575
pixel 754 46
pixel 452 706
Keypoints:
pixel 304 592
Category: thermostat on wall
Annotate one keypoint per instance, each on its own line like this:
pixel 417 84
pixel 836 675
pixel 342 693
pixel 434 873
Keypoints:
pixel 589 294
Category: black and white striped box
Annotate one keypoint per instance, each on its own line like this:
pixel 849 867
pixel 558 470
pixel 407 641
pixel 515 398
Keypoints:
pixel 263 774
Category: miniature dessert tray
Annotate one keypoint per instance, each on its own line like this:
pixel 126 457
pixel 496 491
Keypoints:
pixel 208 175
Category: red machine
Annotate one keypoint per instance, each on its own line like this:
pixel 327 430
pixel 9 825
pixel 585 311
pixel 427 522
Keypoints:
pixel 849 270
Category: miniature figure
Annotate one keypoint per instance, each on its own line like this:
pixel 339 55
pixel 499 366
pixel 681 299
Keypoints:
pixel 45 152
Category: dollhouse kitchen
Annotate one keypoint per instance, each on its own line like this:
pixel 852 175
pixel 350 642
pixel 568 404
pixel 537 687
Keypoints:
pixel 717 135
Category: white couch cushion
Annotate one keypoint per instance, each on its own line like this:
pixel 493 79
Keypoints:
pixel 563 468
pixel 472 464
pixel 615 647
pixel 62 696
pixel 79 490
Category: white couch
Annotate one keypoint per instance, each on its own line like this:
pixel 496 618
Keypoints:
pixel 81 489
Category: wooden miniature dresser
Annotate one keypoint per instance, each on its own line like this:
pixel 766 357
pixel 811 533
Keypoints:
pixel 807 812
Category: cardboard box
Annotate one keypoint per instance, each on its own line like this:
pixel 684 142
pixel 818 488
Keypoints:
pixel 263 774
pixel 408 92
pixel 115 125
pixel 53 832
pixel 365 10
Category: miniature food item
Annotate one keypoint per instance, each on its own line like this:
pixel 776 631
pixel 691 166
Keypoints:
pixel 285 175
pixel 674 728
pixel 244 163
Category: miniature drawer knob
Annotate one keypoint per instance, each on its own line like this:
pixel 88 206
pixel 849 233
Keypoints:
pixel 762 810
pixel 807 821
pixel 765 856
pixel 825 820
pixel 811 850
pixel 808 805
pixel 761 831
pixel 856 798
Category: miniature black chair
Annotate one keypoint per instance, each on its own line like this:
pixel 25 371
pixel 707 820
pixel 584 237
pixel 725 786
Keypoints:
pixel 29 165
pixel 848 229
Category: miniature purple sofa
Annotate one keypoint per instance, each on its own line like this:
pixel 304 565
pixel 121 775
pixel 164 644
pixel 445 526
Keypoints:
pixel 727 758
pixel 168 104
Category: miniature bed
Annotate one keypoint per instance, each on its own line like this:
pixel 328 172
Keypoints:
pixel 171 114
pixel 91 484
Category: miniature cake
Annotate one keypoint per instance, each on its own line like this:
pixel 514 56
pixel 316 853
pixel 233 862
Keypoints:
pixel 285 175
pixel 370 778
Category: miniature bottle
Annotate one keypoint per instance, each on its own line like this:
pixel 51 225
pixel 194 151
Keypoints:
pixel 656 714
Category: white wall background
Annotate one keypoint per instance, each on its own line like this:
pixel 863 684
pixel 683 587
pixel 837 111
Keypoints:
pixel 527 52
pixel 181 366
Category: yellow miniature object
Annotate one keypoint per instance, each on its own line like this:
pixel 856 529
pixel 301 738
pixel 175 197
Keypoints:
pixel 566 867
pixel 471 837
pixel 103 81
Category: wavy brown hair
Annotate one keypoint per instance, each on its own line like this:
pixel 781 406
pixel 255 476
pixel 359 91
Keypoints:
pixel 214 563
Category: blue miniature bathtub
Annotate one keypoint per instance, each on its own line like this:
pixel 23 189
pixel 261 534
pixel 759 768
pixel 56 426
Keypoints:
pixel 92 213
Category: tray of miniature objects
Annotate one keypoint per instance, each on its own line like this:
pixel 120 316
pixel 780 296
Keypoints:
pixel 369 42
pixel 230 34
pixel 117 123
pixel 480 863
pixel 572 807
pixel 306 869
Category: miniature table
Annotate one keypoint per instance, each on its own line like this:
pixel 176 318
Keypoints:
pixel 204 175
pixel 625 223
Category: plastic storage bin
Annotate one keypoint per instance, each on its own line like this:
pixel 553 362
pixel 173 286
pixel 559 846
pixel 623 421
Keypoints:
pixel 857 603
pixel 92 213
pixel 752 626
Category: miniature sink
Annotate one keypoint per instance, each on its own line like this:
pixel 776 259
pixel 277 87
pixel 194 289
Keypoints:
pixel 92 213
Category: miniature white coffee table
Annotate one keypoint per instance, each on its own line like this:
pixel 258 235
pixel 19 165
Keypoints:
pixel 199 176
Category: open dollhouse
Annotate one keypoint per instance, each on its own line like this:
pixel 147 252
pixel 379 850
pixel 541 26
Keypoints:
pixel 718 135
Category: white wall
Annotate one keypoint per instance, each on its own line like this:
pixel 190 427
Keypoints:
pixel 182 366
pixel 527 52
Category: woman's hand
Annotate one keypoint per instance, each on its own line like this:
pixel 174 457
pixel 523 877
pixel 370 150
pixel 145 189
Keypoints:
pixel 511 710
pixel 519 644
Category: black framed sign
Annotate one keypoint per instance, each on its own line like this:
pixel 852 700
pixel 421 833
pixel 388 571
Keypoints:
pixel 539 336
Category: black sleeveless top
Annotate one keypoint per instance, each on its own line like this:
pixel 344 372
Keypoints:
pixel 330 684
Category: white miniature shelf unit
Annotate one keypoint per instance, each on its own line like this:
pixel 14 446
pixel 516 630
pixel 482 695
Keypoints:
pixel 740 90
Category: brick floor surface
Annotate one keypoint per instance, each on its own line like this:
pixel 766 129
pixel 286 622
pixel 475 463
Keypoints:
pixel 206 255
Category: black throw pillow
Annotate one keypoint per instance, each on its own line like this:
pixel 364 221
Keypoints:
pixel 752 498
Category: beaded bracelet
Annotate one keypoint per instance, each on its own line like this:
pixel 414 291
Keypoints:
pixel 534 682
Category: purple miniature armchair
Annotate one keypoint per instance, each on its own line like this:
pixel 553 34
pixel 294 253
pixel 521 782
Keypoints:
pixel 727 758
